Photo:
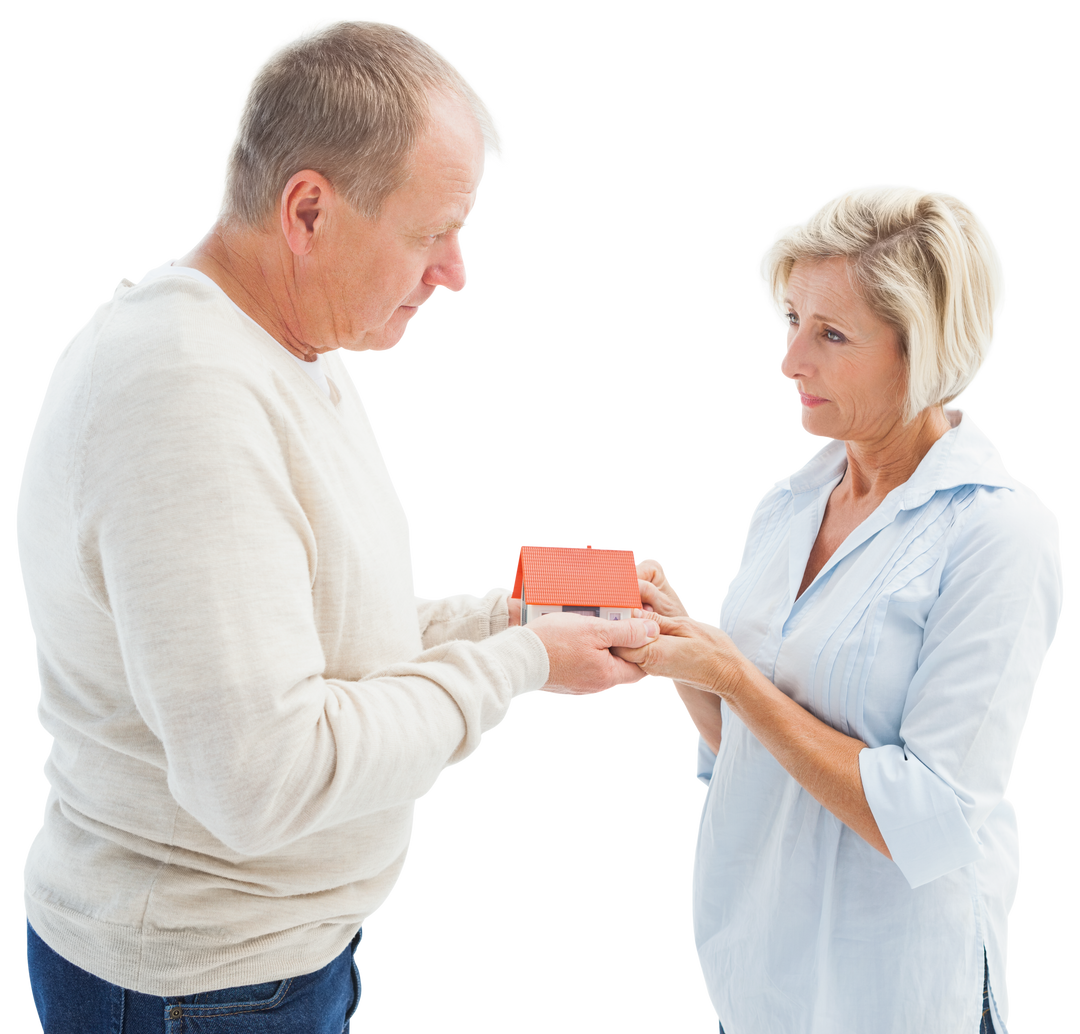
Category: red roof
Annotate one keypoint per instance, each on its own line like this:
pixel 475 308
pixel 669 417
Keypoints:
pixel 553 576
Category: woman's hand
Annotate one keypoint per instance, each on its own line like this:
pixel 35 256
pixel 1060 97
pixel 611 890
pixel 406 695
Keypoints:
pixel 658 597
pixel 656 594
pixel 689 652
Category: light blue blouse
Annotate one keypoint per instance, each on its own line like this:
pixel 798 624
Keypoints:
pixel 922 636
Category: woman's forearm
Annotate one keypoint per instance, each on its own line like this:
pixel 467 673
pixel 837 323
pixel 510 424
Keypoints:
pixel 704 709
pixel 824 761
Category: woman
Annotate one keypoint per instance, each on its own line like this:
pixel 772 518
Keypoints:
pixel 860 710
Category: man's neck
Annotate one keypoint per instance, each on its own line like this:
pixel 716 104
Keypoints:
pixel 250 269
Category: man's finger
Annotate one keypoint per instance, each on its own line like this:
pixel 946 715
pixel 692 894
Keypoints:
pixel 635 632
pixel 635 655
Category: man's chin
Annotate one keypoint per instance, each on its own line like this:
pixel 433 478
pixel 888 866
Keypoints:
pixel 386 336
pixel 412 312
pixel 392 347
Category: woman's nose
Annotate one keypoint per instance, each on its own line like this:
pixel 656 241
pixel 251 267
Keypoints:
pixel 794 363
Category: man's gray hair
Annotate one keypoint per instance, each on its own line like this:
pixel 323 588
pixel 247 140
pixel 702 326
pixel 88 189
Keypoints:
pixel 349 102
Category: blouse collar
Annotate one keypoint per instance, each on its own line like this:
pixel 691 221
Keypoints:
pixel 961 456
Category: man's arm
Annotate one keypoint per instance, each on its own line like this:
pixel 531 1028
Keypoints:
pixel 463 617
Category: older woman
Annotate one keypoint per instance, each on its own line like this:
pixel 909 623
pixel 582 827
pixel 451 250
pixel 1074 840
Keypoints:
pixel 860 710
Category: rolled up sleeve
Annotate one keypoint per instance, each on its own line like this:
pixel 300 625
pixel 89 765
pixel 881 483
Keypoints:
pixel 917 813
pixel 983 644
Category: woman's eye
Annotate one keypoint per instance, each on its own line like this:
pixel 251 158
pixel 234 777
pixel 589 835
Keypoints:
pixel 834 335
pixel 791 318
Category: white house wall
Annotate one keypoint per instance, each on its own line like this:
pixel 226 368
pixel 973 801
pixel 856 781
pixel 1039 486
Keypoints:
pixel 533 611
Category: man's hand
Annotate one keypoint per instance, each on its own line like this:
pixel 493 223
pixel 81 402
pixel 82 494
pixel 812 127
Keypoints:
pixel 656 593
pixel 514 607
pixel 690 652
pixel 579 650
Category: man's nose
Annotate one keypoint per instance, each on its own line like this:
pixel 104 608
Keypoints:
pixel 448 270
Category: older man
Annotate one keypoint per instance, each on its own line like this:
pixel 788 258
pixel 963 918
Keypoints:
pixel 245 695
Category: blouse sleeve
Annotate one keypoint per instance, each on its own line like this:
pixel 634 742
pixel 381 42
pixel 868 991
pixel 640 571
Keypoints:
pixel 706 761
pixel 983 644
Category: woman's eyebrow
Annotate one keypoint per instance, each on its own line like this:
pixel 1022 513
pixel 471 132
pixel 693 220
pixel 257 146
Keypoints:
pixel 819 317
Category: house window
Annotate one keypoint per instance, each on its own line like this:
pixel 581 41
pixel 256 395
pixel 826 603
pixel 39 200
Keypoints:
pixel 589 612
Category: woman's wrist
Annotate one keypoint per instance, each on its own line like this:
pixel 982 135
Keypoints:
pixel 733 678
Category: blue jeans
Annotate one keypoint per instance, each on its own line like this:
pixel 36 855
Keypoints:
pixel 987 1024
pixel 71 1001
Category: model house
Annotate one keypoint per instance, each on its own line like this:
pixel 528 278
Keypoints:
pixel 602 583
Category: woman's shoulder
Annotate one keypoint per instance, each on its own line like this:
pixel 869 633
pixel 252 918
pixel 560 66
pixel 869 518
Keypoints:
pixel 991 505
pixel 1010 519
pixel 1001 556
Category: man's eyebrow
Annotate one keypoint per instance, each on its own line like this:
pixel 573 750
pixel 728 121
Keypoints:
pixel 453 224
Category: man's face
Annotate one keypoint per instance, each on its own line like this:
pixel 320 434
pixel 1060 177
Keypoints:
pixel 365 278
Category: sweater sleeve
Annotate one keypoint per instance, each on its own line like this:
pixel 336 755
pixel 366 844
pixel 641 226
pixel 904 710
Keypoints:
pixel 193 538
pixel 215 574
pixel 462 617
pixel 983 644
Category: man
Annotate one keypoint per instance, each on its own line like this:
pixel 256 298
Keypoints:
pixel 245 696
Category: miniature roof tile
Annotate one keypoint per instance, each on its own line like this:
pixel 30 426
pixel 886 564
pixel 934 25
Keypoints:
pixel 556 576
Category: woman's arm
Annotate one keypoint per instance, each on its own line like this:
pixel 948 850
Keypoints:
pixel 704 710
pixel 659 597
pixel 822 760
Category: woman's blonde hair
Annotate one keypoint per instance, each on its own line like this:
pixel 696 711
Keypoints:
pixel 350 102
pixel 923 264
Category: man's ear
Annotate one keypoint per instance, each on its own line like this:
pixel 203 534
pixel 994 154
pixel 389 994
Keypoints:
pixel 304 204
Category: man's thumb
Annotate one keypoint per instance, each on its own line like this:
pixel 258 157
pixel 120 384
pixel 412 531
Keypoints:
pixel 633 633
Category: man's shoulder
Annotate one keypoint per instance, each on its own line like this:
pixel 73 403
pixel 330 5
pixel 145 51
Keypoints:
pixel 174 324
pixel 171 345
pixel 164 366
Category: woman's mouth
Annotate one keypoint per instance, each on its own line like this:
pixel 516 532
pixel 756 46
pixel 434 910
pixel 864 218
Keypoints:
pixel 811 400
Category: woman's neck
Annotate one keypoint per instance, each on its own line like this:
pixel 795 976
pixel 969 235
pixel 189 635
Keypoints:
pixel 876 467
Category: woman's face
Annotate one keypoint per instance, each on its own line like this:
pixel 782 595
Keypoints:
pixel 846 362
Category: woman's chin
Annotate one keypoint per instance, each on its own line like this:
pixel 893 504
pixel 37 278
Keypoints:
pixel 816 422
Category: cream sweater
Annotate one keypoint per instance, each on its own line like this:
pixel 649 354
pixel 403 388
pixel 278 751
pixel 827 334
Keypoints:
pixel 244 694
